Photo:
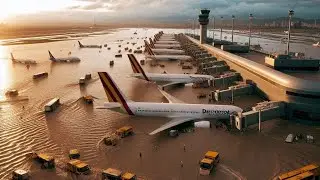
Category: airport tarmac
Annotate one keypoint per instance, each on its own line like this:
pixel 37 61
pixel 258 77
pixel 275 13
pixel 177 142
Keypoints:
pixel 24 127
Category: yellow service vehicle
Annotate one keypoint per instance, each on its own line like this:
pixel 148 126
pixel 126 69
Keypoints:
pixel 78 167
pixel 124 131
pixel 210 159
pixel 74 154
pixel 128 176
pixel 46 161
pixel 309 172
pixel 111 174
pixel 88 99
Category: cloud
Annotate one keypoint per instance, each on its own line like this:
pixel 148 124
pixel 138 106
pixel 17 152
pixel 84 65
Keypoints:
pixel 105 11
pixel 91 5
pixel 190 8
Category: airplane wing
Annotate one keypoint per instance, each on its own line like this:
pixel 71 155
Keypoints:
pixel 170 98
pixel 198 79
pixel 109 105
pixel 172 123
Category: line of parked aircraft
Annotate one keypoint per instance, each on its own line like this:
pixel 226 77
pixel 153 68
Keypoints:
pixel 176 110
pixel 69 59
pixel 164 47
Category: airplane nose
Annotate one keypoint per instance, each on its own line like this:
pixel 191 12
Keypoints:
pixel 237 109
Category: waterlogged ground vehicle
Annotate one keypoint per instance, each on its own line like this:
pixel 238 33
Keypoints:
pixel 207 164
pixel 20 175
pixel 52 105
pixel 12 93
pixel 128 176
pixel 309 172
pixel 40 75
pixel 78 167
pixel 111 174
pixel 88 99
pixel 46 161
pixel 74 154
pixel 124 131
pixel 289 138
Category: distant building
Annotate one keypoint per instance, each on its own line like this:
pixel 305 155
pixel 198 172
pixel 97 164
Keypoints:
pixel 297 24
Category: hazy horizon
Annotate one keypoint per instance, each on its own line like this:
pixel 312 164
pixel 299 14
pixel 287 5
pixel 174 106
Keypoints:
pixel 82 12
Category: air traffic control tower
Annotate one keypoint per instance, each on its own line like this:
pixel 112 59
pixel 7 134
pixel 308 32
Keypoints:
pixel 203 20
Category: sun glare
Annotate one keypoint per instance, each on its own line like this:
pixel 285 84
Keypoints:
pixel 9 8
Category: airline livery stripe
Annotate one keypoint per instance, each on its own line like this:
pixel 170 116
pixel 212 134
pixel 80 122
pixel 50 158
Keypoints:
pixel 118 94
pixel 151 42
pixel 137 66
pixel 110 87
pixel 110 96
pixel 149 50
pixel 133 63
pixel 134 68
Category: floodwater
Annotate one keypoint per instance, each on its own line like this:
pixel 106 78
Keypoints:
pixel 25 128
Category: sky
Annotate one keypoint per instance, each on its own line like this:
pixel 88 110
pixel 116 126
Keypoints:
pixel 84 11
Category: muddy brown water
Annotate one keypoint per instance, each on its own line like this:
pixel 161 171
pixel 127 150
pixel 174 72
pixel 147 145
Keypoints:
pixel 248 155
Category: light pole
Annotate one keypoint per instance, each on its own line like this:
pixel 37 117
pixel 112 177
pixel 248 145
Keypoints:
pixel 250 18
pixel 291 12
pixel 221 28
pixel 232 27
pixel 194 27
pixel 213 24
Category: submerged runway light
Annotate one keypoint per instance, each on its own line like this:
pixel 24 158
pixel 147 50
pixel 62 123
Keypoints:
pixel 203 20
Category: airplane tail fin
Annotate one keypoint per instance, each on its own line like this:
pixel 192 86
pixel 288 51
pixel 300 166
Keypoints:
pixel 51 56
pixel 80 45
pixel 12 58
pixel 113 92
pixel 156 37
pixel 136 67
pixel 151 43
pixel 149 50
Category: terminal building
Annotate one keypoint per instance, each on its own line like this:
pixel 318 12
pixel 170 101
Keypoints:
pixel 286 62
pixel 301 96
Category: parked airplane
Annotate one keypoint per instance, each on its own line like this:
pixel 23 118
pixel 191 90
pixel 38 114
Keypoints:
pixel 178 111
pixel 165 41
pixel 158 37
pixel 158 77
pixel 163 50
pixel 167 46
pixel 66 59
pixel 89 46
pixel 23 61
pixel 165 57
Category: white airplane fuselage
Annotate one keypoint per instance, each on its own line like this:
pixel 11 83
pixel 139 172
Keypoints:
pixel 67 59
pixel 166 39
pixel 197 111
pixel 91 46
pixel 180 78
pixel 167 42
pixel 167 46
pixel 24 61
pixel 168 51
pixel 169 57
